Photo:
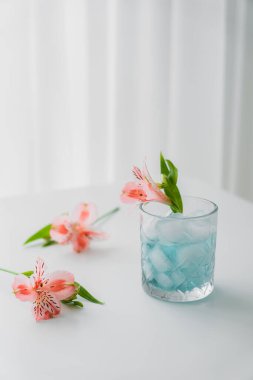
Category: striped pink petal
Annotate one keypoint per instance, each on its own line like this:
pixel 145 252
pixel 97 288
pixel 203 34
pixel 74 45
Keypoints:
pixel 61 283
pixel 46 306
pixel 39 269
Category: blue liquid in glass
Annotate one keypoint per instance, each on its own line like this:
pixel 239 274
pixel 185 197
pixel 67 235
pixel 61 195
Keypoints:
pixel 181 266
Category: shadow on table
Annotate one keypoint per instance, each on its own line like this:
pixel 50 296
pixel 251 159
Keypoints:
pixel 224 303
pixel 230 299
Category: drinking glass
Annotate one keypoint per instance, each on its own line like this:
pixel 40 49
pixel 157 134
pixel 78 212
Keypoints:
pixel 178 250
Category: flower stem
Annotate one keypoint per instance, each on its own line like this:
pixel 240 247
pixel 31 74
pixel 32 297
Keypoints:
pixel 106 215
pixel 8 271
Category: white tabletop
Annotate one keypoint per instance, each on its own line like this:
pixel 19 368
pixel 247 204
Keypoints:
pixel 133 336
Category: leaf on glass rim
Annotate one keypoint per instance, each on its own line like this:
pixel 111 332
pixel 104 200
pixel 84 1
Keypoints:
pixel 82 292
pixel 169 184
pixel 173 193
pixel 44 233
pixel 173 174
pixel 168 169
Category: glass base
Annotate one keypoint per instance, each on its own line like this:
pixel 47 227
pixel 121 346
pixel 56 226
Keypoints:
pixel 195 294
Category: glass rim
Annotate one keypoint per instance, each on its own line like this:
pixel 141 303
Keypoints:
pixel 215 209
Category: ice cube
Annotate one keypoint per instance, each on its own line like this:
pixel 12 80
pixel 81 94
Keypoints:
pixel 179 228
pixel 172 230
pixel 164 281
pixel 159 260
pixel 146 248
pixel 196 263
pixel 198 229
pixel 188 253
pixel 147 270
pixel 170 250
pixel 186 286
pixel 177 278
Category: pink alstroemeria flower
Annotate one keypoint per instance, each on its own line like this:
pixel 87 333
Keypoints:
pixel 77 228
pixel 45 291
pixel 144 189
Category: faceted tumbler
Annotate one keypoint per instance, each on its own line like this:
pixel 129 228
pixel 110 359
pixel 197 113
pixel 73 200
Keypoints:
pixel 178 250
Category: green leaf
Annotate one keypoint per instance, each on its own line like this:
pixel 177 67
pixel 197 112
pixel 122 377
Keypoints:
pixel 171 190
pixel 173 171
pixel 66 302
pixel 48 243
pixel 169 174
pixel 163 165
pixel 28 273
pixel 168 169
pixel 82 292
pixel 77 303
pixel 44 233
pixel 71 298
pixel 72 303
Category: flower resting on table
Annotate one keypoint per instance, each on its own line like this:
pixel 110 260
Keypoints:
pixel 48 291
pixel 145 189
pixel 77 228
